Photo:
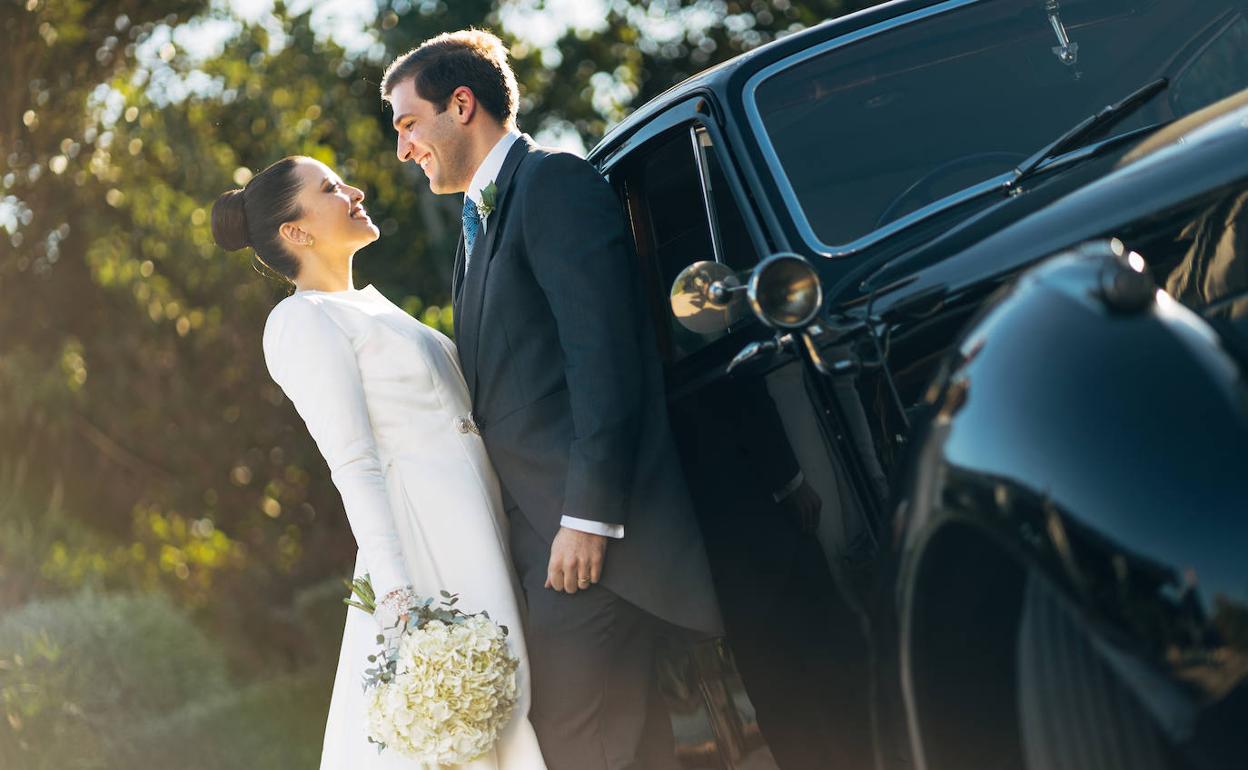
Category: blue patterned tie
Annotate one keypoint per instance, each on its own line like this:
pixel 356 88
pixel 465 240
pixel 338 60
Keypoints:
pixel 472 226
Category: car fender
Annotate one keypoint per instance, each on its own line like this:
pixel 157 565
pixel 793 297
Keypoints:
pixel 1092 429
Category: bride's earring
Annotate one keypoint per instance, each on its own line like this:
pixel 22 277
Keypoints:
pixel 309 241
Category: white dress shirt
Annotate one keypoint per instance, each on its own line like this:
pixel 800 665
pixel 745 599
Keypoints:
pixel 486 173
pixel 780 494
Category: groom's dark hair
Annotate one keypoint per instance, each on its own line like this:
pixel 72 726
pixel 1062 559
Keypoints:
pixel 470 57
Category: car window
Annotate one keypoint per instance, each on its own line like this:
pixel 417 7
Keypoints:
pixel 671 195
pixel 1214 73
pixel 866 132
pixel 733 244
pixel 682 211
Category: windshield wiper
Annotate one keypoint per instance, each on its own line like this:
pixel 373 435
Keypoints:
pixel 1076 136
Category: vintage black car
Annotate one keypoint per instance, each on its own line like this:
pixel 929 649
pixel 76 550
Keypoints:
pixel 971 276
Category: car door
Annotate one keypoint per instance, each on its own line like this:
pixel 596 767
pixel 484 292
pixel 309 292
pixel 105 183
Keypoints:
pixel 753 444
pixel 685 204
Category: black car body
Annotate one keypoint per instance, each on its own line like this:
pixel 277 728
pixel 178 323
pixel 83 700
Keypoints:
pixel 1031 463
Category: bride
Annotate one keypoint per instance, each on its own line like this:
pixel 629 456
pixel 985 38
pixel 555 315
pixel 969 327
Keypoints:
pixel 383 396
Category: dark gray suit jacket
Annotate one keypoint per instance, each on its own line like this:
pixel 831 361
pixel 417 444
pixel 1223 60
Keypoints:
pixel 566 383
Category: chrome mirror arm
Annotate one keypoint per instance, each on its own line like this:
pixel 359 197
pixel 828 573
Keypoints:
pixel 720 293
pixel 1066 51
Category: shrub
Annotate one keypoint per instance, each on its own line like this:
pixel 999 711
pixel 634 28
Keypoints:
pixel 78 673
pixel 277 724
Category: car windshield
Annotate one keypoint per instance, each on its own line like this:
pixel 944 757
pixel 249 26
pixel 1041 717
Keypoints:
pixel 864 133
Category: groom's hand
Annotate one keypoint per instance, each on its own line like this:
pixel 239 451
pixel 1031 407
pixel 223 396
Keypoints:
pixel 575 560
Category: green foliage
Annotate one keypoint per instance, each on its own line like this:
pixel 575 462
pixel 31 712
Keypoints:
pixel 44 550
pixel 362 588
pixel 276 724
pixel 76 672
pixel 147 390
pixel 26 538
pixel 319 616
pixel 642 48
pixel 113 682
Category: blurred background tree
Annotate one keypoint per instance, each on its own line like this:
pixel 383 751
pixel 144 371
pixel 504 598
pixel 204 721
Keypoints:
pixel 143 448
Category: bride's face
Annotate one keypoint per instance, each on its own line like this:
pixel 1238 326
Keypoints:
pixel 333 220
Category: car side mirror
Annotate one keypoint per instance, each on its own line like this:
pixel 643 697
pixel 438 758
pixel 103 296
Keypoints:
pixel 706 297
pixel 784 291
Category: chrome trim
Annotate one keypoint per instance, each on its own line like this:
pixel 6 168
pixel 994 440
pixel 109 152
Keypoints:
pixel 752 351
pixel 704 181
pixel 1067 52
pixel 777 169
pixel 752 290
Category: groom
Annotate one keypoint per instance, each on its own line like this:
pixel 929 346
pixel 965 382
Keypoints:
pixel 567 390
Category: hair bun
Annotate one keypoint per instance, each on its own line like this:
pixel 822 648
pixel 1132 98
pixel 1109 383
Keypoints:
pixel 229 221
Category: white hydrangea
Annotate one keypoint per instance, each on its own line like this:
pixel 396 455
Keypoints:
pixel 452 694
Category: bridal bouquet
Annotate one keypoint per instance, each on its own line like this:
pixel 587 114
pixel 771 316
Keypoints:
pixel 443 687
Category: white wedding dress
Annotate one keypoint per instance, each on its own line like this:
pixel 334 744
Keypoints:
pixel 384 398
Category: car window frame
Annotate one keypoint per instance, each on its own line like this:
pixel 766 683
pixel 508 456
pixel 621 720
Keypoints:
pixel 797 214
pixel 696 112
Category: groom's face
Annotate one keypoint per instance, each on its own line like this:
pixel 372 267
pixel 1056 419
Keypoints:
pixel 432 138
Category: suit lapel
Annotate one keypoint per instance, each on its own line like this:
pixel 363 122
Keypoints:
pixel 457 283
pixel 472 301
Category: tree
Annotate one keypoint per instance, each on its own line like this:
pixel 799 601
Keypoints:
pixel 131 361
pixel 140 434
pixel 592 79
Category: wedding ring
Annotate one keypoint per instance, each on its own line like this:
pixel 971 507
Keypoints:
pixel 583 581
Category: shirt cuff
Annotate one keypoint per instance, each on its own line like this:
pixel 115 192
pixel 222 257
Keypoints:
pixel 789 488
pixel 614 531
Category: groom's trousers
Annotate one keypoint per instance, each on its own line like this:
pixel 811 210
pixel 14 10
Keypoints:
pixel 596 702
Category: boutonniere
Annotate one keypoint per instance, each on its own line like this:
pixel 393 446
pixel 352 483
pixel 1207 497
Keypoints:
pixel 489 195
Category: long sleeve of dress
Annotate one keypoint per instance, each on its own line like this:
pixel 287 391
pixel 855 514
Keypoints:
pixel 313 361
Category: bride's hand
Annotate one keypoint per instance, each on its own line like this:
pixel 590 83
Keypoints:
pixel 391 611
